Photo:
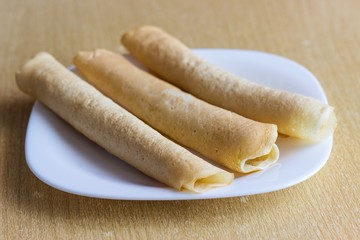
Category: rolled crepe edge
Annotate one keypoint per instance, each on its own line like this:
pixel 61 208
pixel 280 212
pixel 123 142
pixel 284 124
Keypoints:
pixel 203 184
pixel 270 157
pixel 326 126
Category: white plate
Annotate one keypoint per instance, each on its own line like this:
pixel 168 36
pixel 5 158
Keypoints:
pixel 63 158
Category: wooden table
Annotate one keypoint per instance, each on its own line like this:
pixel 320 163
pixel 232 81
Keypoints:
pixel 324 36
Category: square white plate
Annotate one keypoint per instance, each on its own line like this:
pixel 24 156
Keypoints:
pixel 65 159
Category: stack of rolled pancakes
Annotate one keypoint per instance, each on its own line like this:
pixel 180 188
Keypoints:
pixel 147 121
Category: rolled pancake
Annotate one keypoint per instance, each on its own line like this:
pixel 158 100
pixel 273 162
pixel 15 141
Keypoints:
pixel 115 129
pixel 225 137
pixel 294 114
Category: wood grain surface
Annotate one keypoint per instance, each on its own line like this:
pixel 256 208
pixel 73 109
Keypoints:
pixel 322 35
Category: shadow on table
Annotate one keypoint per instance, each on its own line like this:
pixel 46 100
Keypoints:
pixel 28 195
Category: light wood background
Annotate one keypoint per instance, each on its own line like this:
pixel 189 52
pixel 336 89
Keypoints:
pixel 322 35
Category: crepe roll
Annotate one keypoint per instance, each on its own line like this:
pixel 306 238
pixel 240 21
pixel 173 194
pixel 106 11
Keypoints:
pixel 240 144
pixel 115 129
pixel 294 114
